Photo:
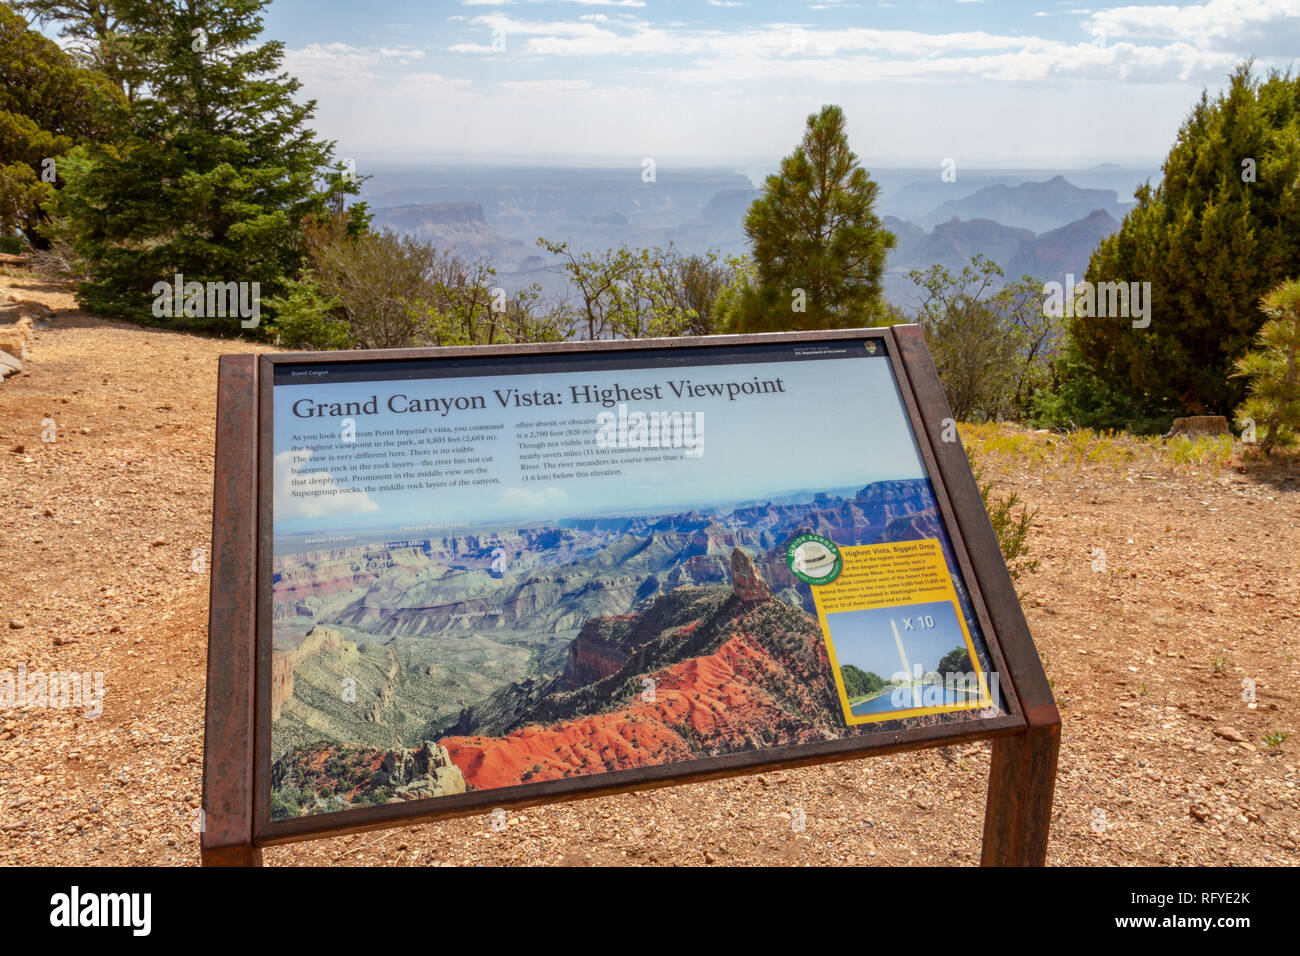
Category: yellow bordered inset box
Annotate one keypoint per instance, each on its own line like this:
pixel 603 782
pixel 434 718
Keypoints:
pixel 894 631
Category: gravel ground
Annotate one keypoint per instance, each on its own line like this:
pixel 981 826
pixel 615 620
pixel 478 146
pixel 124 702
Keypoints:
pixel 103 550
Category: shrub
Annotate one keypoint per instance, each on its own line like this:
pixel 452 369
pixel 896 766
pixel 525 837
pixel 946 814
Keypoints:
pixel 307 318
pixel 1273 399
pixel 989 345
pixel 374 277
pixel 1011 526
pixel 395 291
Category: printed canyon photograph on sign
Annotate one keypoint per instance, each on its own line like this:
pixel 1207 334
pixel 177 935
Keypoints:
pixel 563 593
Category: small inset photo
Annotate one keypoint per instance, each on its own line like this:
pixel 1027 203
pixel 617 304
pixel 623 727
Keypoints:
pixel 903 660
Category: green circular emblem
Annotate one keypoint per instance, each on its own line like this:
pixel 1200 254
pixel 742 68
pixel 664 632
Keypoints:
pixel 814 559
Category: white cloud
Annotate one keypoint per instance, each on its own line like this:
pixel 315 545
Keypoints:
pixel 1034 61
pixel 861 55
pixel 1245 26
pixel 544 86
pixel 328 498
pixel 569 38
pixel 616 86
pixel 341 66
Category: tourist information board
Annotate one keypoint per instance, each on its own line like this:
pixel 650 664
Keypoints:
pixel 451 581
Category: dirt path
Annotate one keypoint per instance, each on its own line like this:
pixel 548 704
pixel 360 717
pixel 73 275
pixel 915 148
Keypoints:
pixel 101 531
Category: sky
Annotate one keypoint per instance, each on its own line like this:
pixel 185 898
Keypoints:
pixel 839 423
pixel 730 82
pixel 864 638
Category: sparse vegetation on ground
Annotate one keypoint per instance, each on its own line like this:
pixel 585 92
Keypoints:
pixel 1148 658
pixel 1086 446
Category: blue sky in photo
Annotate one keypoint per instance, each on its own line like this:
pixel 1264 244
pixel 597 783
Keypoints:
pixel 839 424
pixel 730 81
pixel 865 639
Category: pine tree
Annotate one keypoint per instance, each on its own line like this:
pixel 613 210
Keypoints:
pixel 215 172
pixel 1220 230
pixel 1273 401
pixel 818 245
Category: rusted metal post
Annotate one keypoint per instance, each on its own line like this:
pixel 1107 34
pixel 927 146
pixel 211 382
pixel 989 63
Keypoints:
pixel 1018 813
pixel 228 731
pixel 1022 779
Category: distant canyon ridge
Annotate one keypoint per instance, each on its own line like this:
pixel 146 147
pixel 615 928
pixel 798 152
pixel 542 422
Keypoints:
pixel 1041 223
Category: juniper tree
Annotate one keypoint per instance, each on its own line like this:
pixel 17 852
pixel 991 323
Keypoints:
pixel 1219 231
pixel 47 106
pixel 89 29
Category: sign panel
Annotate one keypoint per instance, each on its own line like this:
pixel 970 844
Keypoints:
pixel 505 576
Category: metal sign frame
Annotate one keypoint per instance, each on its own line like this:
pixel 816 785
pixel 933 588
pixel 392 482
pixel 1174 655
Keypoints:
pixel 236 785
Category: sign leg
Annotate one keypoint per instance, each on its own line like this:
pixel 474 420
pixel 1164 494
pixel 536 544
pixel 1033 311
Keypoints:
pixel 1019 809
pixel 246 855
pixel 226 830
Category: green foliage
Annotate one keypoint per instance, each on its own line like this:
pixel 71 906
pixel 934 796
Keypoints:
pixel 391 291
pixel 377 278
pixel 1012 523
pixel 289 801
pixel 466 308
pixel 860 683
pixel 818 245
pixel 735 296
pixel 47 105
pixel 1275 738
pixel 213 170
pixel 956 661
pixel 626 293
pixel 1211 242
pixel 990 346
pixel 91 33
pixel 307 318
pixel 1273 401
pixel 1076 397
pixel 697 282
